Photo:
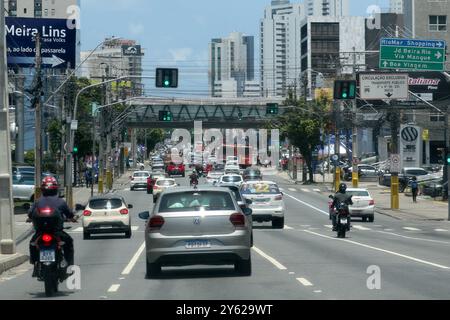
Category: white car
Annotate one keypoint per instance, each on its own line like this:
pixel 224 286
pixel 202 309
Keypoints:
pixel 363 204
pixel 162 185
pixel 235 179
pixel 23 188
pixel 267 202
pixel 106 214
pixel 214 176
pixel 139 180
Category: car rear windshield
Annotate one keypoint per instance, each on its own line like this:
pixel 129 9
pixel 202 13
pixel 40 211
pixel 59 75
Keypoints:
pixel 236 192
pixel 196 201
pixel 417 172
pixel 232 179
pixel 99 204
pixel 260 188
pixel 141 174
pixel 359 193
pixel 165 183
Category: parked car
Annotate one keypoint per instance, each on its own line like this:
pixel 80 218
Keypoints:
pixel 193 227
pixel 106 214
pixel 364 170
pixel 19 170
pixel 23 187
pixel 162 185
pixel 267 202
pixel 404 177
pixel 435 188
pixel 176 170
pixel 139 180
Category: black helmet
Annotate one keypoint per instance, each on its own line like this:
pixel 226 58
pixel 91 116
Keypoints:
pixel 342 188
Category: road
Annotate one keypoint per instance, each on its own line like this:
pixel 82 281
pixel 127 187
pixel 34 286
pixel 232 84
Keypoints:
pixel 305 261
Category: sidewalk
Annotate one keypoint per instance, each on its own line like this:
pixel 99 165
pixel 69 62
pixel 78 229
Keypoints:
pixel 23 230
pixel 426 208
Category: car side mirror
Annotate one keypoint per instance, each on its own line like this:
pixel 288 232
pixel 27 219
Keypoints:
pixel 26 206
pixel 79 207
pixel 130 206
pixel 247 211
pixel 144 215
pixel 248 201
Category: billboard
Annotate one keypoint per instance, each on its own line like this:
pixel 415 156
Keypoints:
pixel 58 42
pixel 134 50
pixel 410 146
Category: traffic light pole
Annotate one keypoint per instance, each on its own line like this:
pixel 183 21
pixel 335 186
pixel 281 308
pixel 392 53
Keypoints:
pixel 395 124
pixel 7 242
pixel 38 123
pixel 355 171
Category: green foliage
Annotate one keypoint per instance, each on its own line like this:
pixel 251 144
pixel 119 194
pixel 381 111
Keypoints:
pixel 154 136
pixel 29 158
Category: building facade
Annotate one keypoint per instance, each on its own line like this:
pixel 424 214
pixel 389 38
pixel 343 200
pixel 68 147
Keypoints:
pixel 280 52
pixel 396 6
pixel 428 19
pixel 232 67
pixel 60 9
pixel 336 8
pixel 116 58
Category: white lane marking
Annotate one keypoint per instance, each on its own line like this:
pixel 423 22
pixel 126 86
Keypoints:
pixel 317 291
pixel 291 273
pixel 134 228
pixel 281 189
pixel 308 205
pixel 440 230
pixel 133 261
pixel 114 288
pixel 421 239
pixel 411 229
pixel 358 227
pixel 79 229
pixel 317 190
pixel 304 282
pixel 288 228
pixel 270 259
pixel 292 189
pixel 389 230
pixel 381 250
pixel 328 226
pixel 305 190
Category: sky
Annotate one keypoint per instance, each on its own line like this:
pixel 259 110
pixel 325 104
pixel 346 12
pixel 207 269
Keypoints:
pixel 177 32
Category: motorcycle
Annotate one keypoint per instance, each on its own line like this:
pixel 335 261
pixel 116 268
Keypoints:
pixel 194 183
pixel 343 219
pixel 51 267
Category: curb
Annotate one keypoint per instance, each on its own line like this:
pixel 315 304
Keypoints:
pixel 389 215
pixel 12 262
pixel 24 236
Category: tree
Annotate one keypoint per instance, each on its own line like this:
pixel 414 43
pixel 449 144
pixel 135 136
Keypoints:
pixel 302 124
pixel 153 137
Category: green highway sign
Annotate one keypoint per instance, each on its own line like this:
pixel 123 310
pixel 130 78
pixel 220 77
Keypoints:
pixel 411 54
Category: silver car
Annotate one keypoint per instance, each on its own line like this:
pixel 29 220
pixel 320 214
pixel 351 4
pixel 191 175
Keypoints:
pixel 23 187
pixel 202 226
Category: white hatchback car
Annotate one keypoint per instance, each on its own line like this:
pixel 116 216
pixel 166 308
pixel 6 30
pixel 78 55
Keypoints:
pixel 234 179
pixel 267 202
pixel 162 185
pixel 106 214
pixel 139 180
pixel 363 204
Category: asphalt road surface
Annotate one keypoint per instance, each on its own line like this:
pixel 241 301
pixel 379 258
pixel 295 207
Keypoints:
pixel 387 259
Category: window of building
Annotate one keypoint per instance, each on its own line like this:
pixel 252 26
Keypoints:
pixel 438 23
pixel 437 117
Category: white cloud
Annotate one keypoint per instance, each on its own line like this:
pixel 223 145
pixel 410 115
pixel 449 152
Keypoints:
pixel 181 54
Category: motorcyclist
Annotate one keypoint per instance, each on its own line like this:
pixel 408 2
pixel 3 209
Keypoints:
pixel 193 177
pixel 340 197
pixel 50 201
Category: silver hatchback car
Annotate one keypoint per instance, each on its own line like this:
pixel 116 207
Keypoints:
pixel 198 226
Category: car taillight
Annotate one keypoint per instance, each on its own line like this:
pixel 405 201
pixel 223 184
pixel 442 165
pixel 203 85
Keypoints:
pixel 47 238
pixel 371 203
pixel 237 219
pixel 87 213
pixel 156 223
pixel 124 211
pixel 278 198
pixel 155 187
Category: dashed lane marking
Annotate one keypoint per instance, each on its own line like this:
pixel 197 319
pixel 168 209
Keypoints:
pixel 269 258
pixel 411 229
pixel 318 190
pixel 308 205
pixel 306 190
pixel 304 282
pixel 440 230
pixel 114 288
pixel 358 227
pixel 133 260
pixel 288 228
pixel 134 228
pixel 292 189
pixel 420 239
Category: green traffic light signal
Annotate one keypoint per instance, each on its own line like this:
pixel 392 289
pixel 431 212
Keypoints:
pixel 272 109
pixel 75 149
pixel 345 90
pixel 448 159
pixel 166 78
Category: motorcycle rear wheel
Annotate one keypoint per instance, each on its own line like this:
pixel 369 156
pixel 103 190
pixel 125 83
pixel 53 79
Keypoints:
pixel 50 283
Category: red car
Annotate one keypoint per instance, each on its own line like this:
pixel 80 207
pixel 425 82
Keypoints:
pixel 176 170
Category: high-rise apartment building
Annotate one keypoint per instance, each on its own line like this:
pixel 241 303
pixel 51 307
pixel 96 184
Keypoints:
pixel 57 9
pixel 396 6
pixel 335 8
pixel 232 67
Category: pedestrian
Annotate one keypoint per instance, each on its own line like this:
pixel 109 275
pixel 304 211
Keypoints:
pixel 414 189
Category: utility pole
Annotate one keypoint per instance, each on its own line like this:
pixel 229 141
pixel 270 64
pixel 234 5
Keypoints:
pixel 337 147
pixel 355 171
pixel 395 125
pixel 7 242
pixel 447 156
pixel 38 121
pixel 20 109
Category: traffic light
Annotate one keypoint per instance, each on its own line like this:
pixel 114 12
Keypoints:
pixel 345 89
pixel 448 159
pixel 166 78
pixel 165 116
pixel 272 109
pixel 75 150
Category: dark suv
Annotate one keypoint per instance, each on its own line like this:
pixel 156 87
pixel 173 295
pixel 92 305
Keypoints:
pixel 252 174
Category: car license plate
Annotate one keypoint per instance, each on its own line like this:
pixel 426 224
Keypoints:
pixel 105 227
pixel 356 211
pixel 198 244
pixel 48 255
pixel 261 200
pixel 344 221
